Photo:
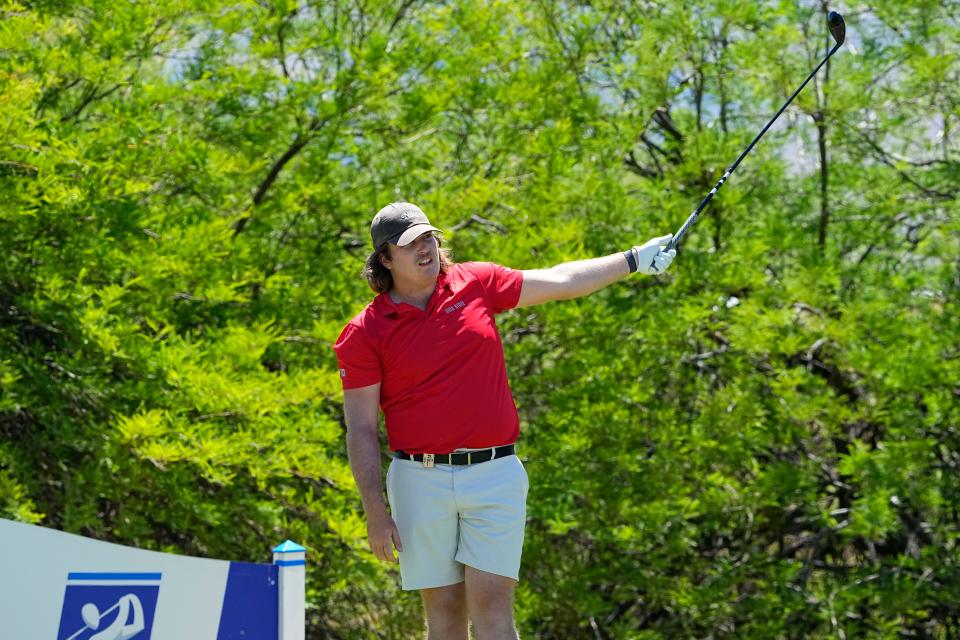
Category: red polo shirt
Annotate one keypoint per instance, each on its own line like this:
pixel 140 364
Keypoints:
pixel 443 378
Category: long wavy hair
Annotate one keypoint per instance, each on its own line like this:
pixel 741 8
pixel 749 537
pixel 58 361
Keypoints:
pixel 379 277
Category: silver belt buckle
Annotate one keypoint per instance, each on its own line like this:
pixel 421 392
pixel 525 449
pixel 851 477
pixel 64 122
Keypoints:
pixel 428 460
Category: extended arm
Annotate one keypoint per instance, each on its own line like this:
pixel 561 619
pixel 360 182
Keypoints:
pixel 360 408
pixel 581 277
pixel 571 279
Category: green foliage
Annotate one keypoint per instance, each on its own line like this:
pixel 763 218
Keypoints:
pixel 762 443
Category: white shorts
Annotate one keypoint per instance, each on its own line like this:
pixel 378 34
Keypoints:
pixel 455 515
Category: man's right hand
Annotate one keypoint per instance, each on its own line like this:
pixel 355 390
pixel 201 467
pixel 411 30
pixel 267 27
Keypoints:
pixel 383 536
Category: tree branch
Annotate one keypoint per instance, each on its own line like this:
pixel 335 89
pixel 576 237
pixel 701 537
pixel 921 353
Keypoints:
pixel 298 144
pixel 884 157
pixel 662 117
pixel 91 97
pixel 476 219
pixel 632 164
pixel 401 13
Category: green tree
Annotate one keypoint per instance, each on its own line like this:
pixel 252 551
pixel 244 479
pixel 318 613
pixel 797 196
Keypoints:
pixel 761 443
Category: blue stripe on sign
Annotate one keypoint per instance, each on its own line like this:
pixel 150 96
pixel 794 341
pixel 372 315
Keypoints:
pixel 113 576
pixel 290 563
pixel 250 606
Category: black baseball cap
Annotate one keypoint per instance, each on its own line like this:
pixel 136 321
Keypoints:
pixel 399 223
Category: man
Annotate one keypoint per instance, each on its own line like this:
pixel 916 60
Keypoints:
pixel 427 352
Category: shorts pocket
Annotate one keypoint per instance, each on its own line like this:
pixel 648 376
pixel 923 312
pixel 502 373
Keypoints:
pixel 524 478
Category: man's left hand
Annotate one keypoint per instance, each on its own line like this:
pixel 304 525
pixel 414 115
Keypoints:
pixel 651 258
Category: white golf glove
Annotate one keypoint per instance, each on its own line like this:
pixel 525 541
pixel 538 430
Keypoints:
pixel 650 256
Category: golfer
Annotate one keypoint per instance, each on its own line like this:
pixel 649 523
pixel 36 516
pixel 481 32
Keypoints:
pixel 427 353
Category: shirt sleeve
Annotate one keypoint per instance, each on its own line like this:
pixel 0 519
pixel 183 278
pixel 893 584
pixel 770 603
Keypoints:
pixel 502 284
pixel 357 358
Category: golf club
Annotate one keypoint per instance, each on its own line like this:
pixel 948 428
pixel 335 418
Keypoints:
pixel 838 31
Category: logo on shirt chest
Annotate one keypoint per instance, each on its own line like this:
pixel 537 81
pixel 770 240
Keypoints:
pixel 456 306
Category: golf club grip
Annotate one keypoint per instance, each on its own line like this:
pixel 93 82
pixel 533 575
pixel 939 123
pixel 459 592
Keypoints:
pixel 693 216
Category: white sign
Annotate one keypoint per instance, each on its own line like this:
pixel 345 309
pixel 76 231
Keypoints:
pixel 60 586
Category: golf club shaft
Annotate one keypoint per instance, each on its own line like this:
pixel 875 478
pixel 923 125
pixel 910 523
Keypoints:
pixel 693 216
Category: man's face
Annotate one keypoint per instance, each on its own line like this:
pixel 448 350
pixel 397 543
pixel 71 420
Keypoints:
pixel 416 264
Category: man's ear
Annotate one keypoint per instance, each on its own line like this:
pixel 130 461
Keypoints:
pixel 384 258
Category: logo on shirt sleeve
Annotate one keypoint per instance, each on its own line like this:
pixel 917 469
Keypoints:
pixel 343 373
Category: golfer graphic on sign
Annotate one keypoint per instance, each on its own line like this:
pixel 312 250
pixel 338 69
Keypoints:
pixel 119 629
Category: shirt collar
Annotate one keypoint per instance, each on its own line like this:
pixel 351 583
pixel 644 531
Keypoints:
pixel 443 281
pixel 386 306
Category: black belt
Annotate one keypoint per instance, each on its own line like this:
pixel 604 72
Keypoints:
pixel 466 457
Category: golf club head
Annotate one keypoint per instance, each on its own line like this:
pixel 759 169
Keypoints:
pixel 837 28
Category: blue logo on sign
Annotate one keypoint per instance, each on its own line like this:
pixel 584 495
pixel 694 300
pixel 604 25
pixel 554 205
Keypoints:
pixel 109 606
